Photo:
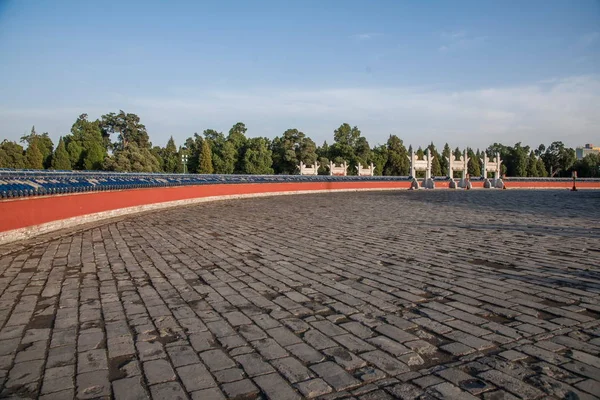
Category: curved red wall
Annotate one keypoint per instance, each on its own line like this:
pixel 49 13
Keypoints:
pixel 30 211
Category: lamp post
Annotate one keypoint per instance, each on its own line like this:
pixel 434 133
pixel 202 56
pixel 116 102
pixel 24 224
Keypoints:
pixel 184 160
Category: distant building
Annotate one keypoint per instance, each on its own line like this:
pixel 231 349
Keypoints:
pixel 589 148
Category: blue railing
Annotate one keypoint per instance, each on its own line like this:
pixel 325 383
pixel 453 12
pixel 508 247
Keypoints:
pixel 22 183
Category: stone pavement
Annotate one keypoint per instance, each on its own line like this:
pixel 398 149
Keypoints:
pixel 458 295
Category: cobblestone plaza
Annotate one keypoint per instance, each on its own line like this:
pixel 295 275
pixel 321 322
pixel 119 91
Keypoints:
pixel 362 295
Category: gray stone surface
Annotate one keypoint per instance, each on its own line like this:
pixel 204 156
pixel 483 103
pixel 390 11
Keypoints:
pixel 361 295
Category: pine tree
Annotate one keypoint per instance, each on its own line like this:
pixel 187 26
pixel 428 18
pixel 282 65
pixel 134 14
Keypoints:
pixel 94 157
pixel 34 157
pixel 60 159
pixel 541 168
pixel 205 163
pixel 170 157
pixel 532 170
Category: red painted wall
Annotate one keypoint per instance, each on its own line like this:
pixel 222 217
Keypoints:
pixel 29 211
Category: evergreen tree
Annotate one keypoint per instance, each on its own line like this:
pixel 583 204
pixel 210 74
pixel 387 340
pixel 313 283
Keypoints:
pixel 379 158
pixel 532 170
pixel 436 166
pixel 541 168
pixel 205 163
pixel 133 149
pixel 94 156
pixel 237 139
pixel 474 165
pixel 170 157
pixel 34 157
pixel 257 157
pixel 444 163
pixel 11 155
pixel 75 152
pixel 458 154
pixel 60 159
pixel 85 144
pixel 397 163
pixel 291 148
pixel 43 143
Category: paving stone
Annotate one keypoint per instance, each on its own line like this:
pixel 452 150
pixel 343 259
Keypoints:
pixel 448 391
pixel 216 360
pixel 306 353
pixel 208 394
pixel 511 384
pixel 345 358
pixel 313 388
pixel 270 349
pixel 93 385
pixel 182 355
pixel 158 371
pixel 276 387
pixel 388 345
pixel 229 375
pixel 195 377
pixel 385 362
pixel 318 340
pixel 129 389
pixel 405 391
pixel 168 391
pixel 254 365
pixel 395 333
pixel 458 349
pixel 240 389
pixel 335 376
pixel 292 369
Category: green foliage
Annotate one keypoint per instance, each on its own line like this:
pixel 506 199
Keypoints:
pixel 323 166
pixel 558 159
pixel 75 152
pixel 541 168
pixel 206 165
pixel 85 144
pixel 43 143
pixel 588 167
pixel 291 148
pixel 94 157
pixel 33 157
pixel 127 127
pixel 349 146
pixel 444 163
pixel 474 165
pixel 11 155
pixel 436 166
pixel 170 158
pixel 397 163
pixel 132 159
pixel 60 159
pixel 237 138
pixel 532 163
pixel 257 157
pixel 379 158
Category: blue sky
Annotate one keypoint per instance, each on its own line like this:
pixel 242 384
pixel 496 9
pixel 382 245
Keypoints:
pixel 463 72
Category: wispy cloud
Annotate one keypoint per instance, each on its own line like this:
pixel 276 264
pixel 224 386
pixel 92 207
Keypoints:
pixel 365 36
pixel 459 40
pixel 558 109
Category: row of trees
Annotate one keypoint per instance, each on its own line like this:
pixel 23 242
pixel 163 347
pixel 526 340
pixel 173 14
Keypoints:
pixel 120 142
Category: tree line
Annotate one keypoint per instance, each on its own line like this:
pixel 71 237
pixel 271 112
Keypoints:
pixel 119 142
